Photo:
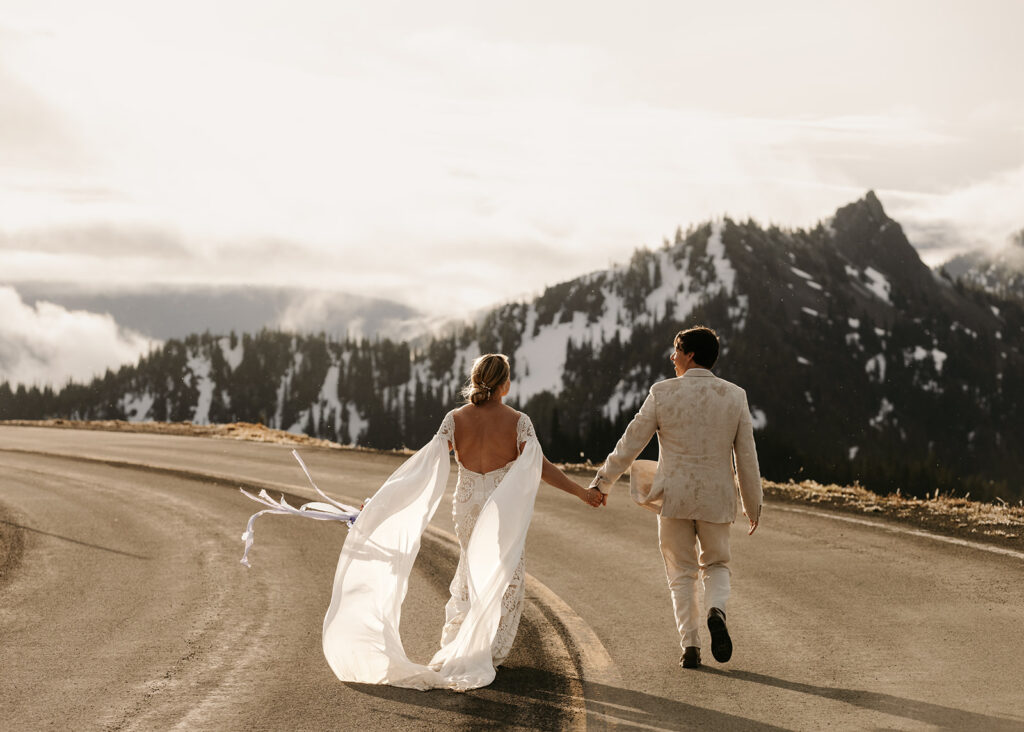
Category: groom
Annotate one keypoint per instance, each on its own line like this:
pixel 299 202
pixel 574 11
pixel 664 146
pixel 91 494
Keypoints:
pixel 706 445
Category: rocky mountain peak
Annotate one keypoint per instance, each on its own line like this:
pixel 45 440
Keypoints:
pixel 866 237
pixel 866 210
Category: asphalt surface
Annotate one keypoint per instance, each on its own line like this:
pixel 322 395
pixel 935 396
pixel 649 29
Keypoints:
pixel 123 606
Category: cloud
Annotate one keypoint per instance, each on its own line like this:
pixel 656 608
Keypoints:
pixel 982 214
pixel 451 159
pixel 48 344
pixel 97 240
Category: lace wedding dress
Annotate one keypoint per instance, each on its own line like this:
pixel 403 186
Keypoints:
pixel 471 495
pixel 360 634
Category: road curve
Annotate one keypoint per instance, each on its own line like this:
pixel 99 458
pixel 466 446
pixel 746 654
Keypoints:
pixel 123 607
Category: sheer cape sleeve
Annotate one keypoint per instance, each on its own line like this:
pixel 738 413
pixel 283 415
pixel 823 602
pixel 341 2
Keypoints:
pixel 361 629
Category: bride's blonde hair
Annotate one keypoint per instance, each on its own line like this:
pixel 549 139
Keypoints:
pixel 489 373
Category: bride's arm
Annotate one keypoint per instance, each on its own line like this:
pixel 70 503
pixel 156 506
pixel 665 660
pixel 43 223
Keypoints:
pixel 552 475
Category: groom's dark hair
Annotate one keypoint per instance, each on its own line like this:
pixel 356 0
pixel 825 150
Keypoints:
pixel 701 342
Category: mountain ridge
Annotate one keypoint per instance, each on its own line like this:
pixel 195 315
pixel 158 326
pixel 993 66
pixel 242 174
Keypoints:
pixel 999 271
pixel 859 362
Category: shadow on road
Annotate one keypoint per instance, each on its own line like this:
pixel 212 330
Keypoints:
pixel 529 697
pixel 611 707
pixel 497 705
pixel 532 698
pixel 934 714
pixel 73 541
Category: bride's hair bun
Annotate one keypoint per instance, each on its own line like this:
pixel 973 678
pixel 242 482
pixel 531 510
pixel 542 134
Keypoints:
pixel 489 374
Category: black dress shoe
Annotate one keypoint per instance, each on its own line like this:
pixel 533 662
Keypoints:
pixel 690 657
pixel 721 643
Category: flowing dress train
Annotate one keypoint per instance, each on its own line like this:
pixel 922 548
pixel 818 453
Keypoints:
pixel 361 640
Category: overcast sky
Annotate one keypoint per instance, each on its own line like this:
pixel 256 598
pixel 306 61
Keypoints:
pixel 451 155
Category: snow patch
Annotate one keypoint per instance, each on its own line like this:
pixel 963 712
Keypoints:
pixel 920 354
pixel 803 361
pixel 136 406
pixel 801 273
pixel 810 311
pixel 233 356
pixel 738 312
pixel 884 410
pixel 540 359
pixel 716 252
pixel 356 425
pixel 328 402
pixel 955 326
pixel 298 428
pixel 283 387
pixel 200 367
pixel 852 452
pixel 878 284
pixel 875 368
pixel 758 418
pixel 625 395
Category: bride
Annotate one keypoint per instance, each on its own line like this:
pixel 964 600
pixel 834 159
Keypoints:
pixel 500 467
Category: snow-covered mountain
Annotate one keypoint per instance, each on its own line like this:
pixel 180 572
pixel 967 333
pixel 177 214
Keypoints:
pixel 859 362
pixel 1000 271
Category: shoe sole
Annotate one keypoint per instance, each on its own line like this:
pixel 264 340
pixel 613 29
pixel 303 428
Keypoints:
pixel 721 643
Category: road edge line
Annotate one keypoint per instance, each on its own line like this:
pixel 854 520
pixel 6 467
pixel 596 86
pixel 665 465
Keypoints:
pixel 895 529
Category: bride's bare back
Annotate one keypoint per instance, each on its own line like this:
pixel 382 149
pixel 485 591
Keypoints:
pixel 485 436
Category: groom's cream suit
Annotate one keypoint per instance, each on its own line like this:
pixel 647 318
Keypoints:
pixel 706 458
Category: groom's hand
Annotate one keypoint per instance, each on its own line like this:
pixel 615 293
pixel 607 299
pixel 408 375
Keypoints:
pixel 595 485
pixel 753 528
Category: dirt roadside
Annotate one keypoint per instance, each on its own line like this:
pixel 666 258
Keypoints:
pixel 1000 524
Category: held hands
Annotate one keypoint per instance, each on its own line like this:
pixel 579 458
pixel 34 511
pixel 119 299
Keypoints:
pixel 593 497
pixel 594 487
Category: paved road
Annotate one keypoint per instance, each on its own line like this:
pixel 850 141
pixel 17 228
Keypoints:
pixel 123 606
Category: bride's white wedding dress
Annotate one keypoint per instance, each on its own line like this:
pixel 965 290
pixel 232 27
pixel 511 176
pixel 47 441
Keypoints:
pixel 471 495
pixel 360 635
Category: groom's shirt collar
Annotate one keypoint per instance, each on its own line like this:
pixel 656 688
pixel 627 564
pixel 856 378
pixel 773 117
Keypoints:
pixel 696 372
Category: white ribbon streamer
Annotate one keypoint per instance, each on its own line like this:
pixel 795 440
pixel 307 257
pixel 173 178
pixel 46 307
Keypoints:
pixel 331 511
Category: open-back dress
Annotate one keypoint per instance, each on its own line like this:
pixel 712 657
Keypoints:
pixel 471 494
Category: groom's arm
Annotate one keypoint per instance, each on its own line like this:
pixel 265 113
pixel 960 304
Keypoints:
pixel 748 473
pixel 633 441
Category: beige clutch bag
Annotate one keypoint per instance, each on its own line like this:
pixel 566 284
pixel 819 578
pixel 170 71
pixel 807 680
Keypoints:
pixel 641 481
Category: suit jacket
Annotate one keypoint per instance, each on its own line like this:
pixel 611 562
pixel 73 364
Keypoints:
pixel 706 454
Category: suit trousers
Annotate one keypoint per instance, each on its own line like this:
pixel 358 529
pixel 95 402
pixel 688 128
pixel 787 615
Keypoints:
pixel 689 545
